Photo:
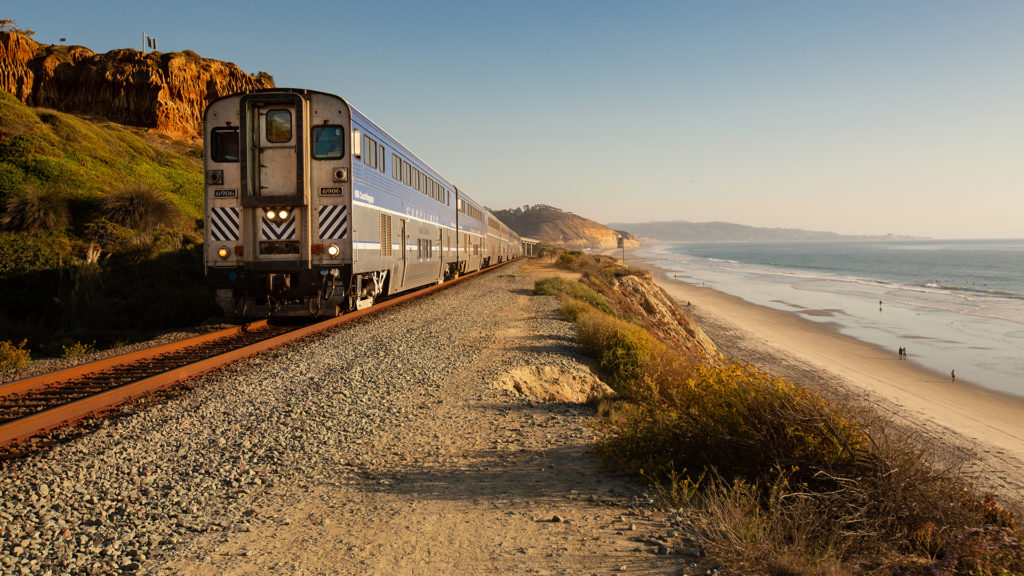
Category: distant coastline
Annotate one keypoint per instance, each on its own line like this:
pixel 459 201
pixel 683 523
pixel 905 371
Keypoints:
pixel 684 231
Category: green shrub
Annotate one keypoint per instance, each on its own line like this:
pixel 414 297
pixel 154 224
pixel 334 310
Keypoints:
pixel 111 237
pixel 78 349
pixel 572 308
pixel 139 206
pixel 20 253
pixel 12 356
pixel 32 210
pixel 627 354
pixel 554 286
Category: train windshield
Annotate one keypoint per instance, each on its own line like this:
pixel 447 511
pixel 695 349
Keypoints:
pixel 224 144
pixel 328 141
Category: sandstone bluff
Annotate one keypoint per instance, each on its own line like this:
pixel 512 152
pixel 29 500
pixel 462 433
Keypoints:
pixel 164 92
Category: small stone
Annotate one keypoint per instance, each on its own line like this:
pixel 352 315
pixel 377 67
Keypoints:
pixel 556 518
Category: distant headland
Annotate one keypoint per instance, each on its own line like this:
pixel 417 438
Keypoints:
pixel 684 231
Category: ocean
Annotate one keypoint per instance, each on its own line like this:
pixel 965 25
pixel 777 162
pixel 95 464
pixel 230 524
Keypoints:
pixel 954 304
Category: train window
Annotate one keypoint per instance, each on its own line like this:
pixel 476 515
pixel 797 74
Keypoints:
pixel 380 152
pixel 224 144
pixel 396 167
pixel 370 158
pixel 279 126
pixel 328 142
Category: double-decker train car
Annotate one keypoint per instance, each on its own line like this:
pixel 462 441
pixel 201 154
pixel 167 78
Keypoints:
pixel 311 208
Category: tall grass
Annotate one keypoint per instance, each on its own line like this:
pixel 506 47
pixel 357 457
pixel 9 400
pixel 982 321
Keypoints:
pixel 139 206
pixel 777 476
pixel 32 210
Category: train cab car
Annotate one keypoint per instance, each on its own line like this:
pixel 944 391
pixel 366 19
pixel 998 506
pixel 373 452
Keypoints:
pixel 313 209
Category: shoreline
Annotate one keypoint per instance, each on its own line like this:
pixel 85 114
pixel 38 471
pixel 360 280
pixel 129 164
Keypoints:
pixel 985 425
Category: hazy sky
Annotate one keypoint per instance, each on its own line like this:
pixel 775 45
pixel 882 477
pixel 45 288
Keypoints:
pixel 857 117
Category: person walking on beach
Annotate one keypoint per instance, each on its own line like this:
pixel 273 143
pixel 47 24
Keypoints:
pixel 952 375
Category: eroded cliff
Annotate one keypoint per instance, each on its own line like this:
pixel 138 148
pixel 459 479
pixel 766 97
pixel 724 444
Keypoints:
pixel 663 316
pixel 164 92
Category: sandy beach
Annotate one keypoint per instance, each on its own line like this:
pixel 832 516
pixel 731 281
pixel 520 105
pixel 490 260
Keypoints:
pixel 986 427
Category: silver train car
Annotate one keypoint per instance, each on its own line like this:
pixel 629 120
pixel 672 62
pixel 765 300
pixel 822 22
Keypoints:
pixel 312 209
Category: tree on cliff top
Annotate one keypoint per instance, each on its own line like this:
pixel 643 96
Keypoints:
pixel 12 26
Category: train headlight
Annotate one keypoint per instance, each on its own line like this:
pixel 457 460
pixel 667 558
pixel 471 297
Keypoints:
pixel 271 214
pixel 333 250
pixel 223 252
pixel 282 214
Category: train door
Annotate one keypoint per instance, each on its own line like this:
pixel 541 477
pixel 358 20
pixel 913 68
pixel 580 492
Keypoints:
pixel 275 153
pixel 272 174
pixel 441 252
pixel 402 263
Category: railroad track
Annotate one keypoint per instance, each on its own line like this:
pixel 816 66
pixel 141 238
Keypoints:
pixel 31 406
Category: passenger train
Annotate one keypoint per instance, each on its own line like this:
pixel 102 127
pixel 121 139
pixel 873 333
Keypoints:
pixel 312 209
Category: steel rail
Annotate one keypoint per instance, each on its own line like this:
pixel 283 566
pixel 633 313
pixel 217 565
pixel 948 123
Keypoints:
pixel 72 412
pixel 41 381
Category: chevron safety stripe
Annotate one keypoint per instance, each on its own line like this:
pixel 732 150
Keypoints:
pixel 283 230
pixel 224 224
pixel 333 222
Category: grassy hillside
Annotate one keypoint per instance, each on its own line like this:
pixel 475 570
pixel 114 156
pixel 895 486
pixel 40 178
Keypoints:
pixel 99 230
pixel 85 161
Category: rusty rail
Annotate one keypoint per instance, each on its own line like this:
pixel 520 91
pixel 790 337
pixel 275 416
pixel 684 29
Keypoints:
pixel 71 412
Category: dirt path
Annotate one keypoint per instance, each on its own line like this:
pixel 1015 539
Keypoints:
pixel 477 480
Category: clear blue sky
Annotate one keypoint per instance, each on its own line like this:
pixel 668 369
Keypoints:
pixel 858 117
